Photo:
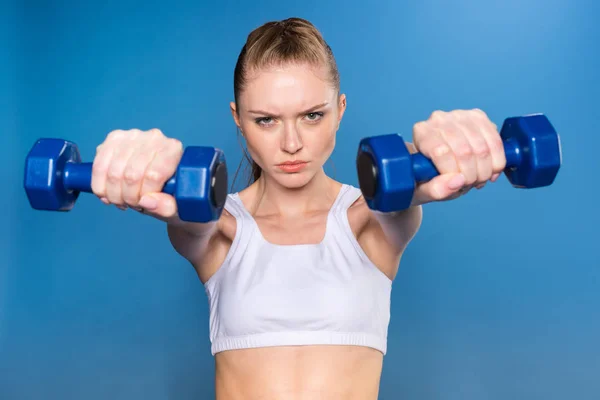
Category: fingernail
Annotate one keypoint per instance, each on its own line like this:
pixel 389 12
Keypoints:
pixel 148 202
pixel 495 177
pixel 104 200
pixel 456 182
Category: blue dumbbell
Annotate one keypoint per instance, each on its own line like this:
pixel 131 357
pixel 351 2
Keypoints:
pixel 388 173
pixel 55 175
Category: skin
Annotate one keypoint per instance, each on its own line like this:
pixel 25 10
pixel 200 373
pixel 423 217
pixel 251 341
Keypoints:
pixel 277 118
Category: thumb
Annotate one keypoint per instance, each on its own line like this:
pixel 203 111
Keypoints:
pixel 159 205
pixel 442 187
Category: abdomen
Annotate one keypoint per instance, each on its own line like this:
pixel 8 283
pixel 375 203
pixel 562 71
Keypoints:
pixel 299 373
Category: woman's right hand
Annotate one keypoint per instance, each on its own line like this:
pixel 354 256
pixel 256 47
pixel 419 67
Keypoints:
pixel 132 166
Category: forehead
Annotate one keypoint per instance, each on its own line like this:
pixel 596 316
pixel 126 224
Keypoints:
pixel 287 87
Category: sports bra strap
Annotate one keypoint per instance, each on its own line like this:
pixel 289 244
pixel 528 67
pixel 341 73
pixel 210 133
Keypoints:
pixel 347 198
pixel 234 206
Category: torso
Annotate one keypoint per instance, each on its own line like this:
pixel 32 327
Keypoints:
pixel 302 372
pixel 299 373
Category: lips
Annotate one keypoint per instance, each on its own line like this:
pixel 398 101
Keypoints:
pixel 292 163
pixel 292 166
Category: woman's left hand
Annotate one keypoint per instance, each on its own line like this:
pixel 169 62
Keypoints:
pixel 466 149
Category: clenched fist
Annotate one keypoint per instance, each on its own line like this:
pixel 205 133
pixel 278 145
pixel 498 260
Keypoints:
pixel 132 166
pixel 465 147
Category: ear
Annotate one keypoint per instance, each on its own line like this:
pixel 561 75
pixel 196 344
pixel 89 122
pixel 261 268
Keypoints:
pixel 341 107
pixel 234 114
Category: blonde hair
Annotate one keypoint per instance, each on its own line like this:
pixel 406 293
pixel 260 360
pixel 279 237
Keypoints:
pixel 292 40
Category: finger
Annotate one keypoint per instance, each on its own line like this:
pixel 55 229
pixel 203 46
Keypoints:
pixel 101 163
pixel 495 144
pixel 473 131
pixel 135 169
pixel 114 175
pixel 461 149
pixel 430 142
pixel 159 205
pixel 442 187
pixel 162 167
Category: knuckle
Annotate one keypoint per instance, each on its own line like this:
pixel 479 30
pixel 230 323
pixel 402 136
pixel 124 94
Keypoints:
pixel 437 115
pixel 97 189
pixel 497 143
pixel 113 175
pixel 481 149
pixel 463 150
pixel 155 133
pixel 419 128
pixel 98 166
pixel 154 176
pixel 499 166
pixel 174 145
pixel 132 175
pixel 459 114
pixel 133 134
pixel 441 150
pixel 479 113
pixel 177 144
pixel 116 134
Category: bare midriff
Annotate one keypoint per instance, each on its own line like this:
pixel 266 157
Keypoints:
pixel 299 373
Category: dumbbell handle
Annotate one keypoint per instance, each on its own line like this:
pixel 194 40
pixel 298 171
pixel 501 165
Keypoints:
pixel 78 176
pixel 424 170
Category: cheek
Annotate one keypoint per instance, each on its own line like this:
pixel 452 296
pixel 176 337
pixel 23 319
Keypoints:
pixel 262 148
pixel 323 141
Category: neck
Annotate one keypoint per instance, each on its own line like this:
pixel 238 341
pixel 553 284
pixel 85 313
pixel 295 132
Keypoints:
pixel 273 198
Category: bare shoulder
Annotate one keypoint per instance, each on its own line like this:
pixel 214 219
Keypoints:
pixel 374 239
pixel 358 216
pixel 227 225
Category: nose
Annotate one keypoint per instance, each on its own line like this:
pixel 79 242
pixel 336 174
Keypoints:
pixel 292 140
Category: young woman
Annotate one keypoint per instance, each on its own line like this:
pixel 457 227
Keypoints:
pixel 298 270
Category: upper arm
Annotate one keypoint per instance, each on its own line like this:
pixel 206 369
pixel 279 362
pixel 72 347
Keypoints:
pixel 385 236
pixel 205 250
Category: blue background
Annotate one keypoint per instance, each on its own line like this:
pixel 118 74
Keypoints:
pixel 496 298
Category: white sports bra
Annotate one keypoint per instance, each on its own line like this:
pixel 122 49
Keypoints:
pixel 329 293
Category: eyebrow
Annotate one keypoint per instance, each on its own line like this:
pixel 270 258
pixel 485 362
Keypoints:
pixel 303 112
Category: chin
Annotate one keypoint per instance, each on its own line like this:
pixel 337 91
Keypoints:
pixel 295 180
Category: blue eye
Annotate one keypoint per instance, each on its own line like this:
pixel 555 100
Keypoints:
pixel 314 116
pixel 264 120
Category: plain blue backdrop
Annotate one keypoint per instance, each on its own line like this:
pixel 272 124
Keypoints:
pixel 498 296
